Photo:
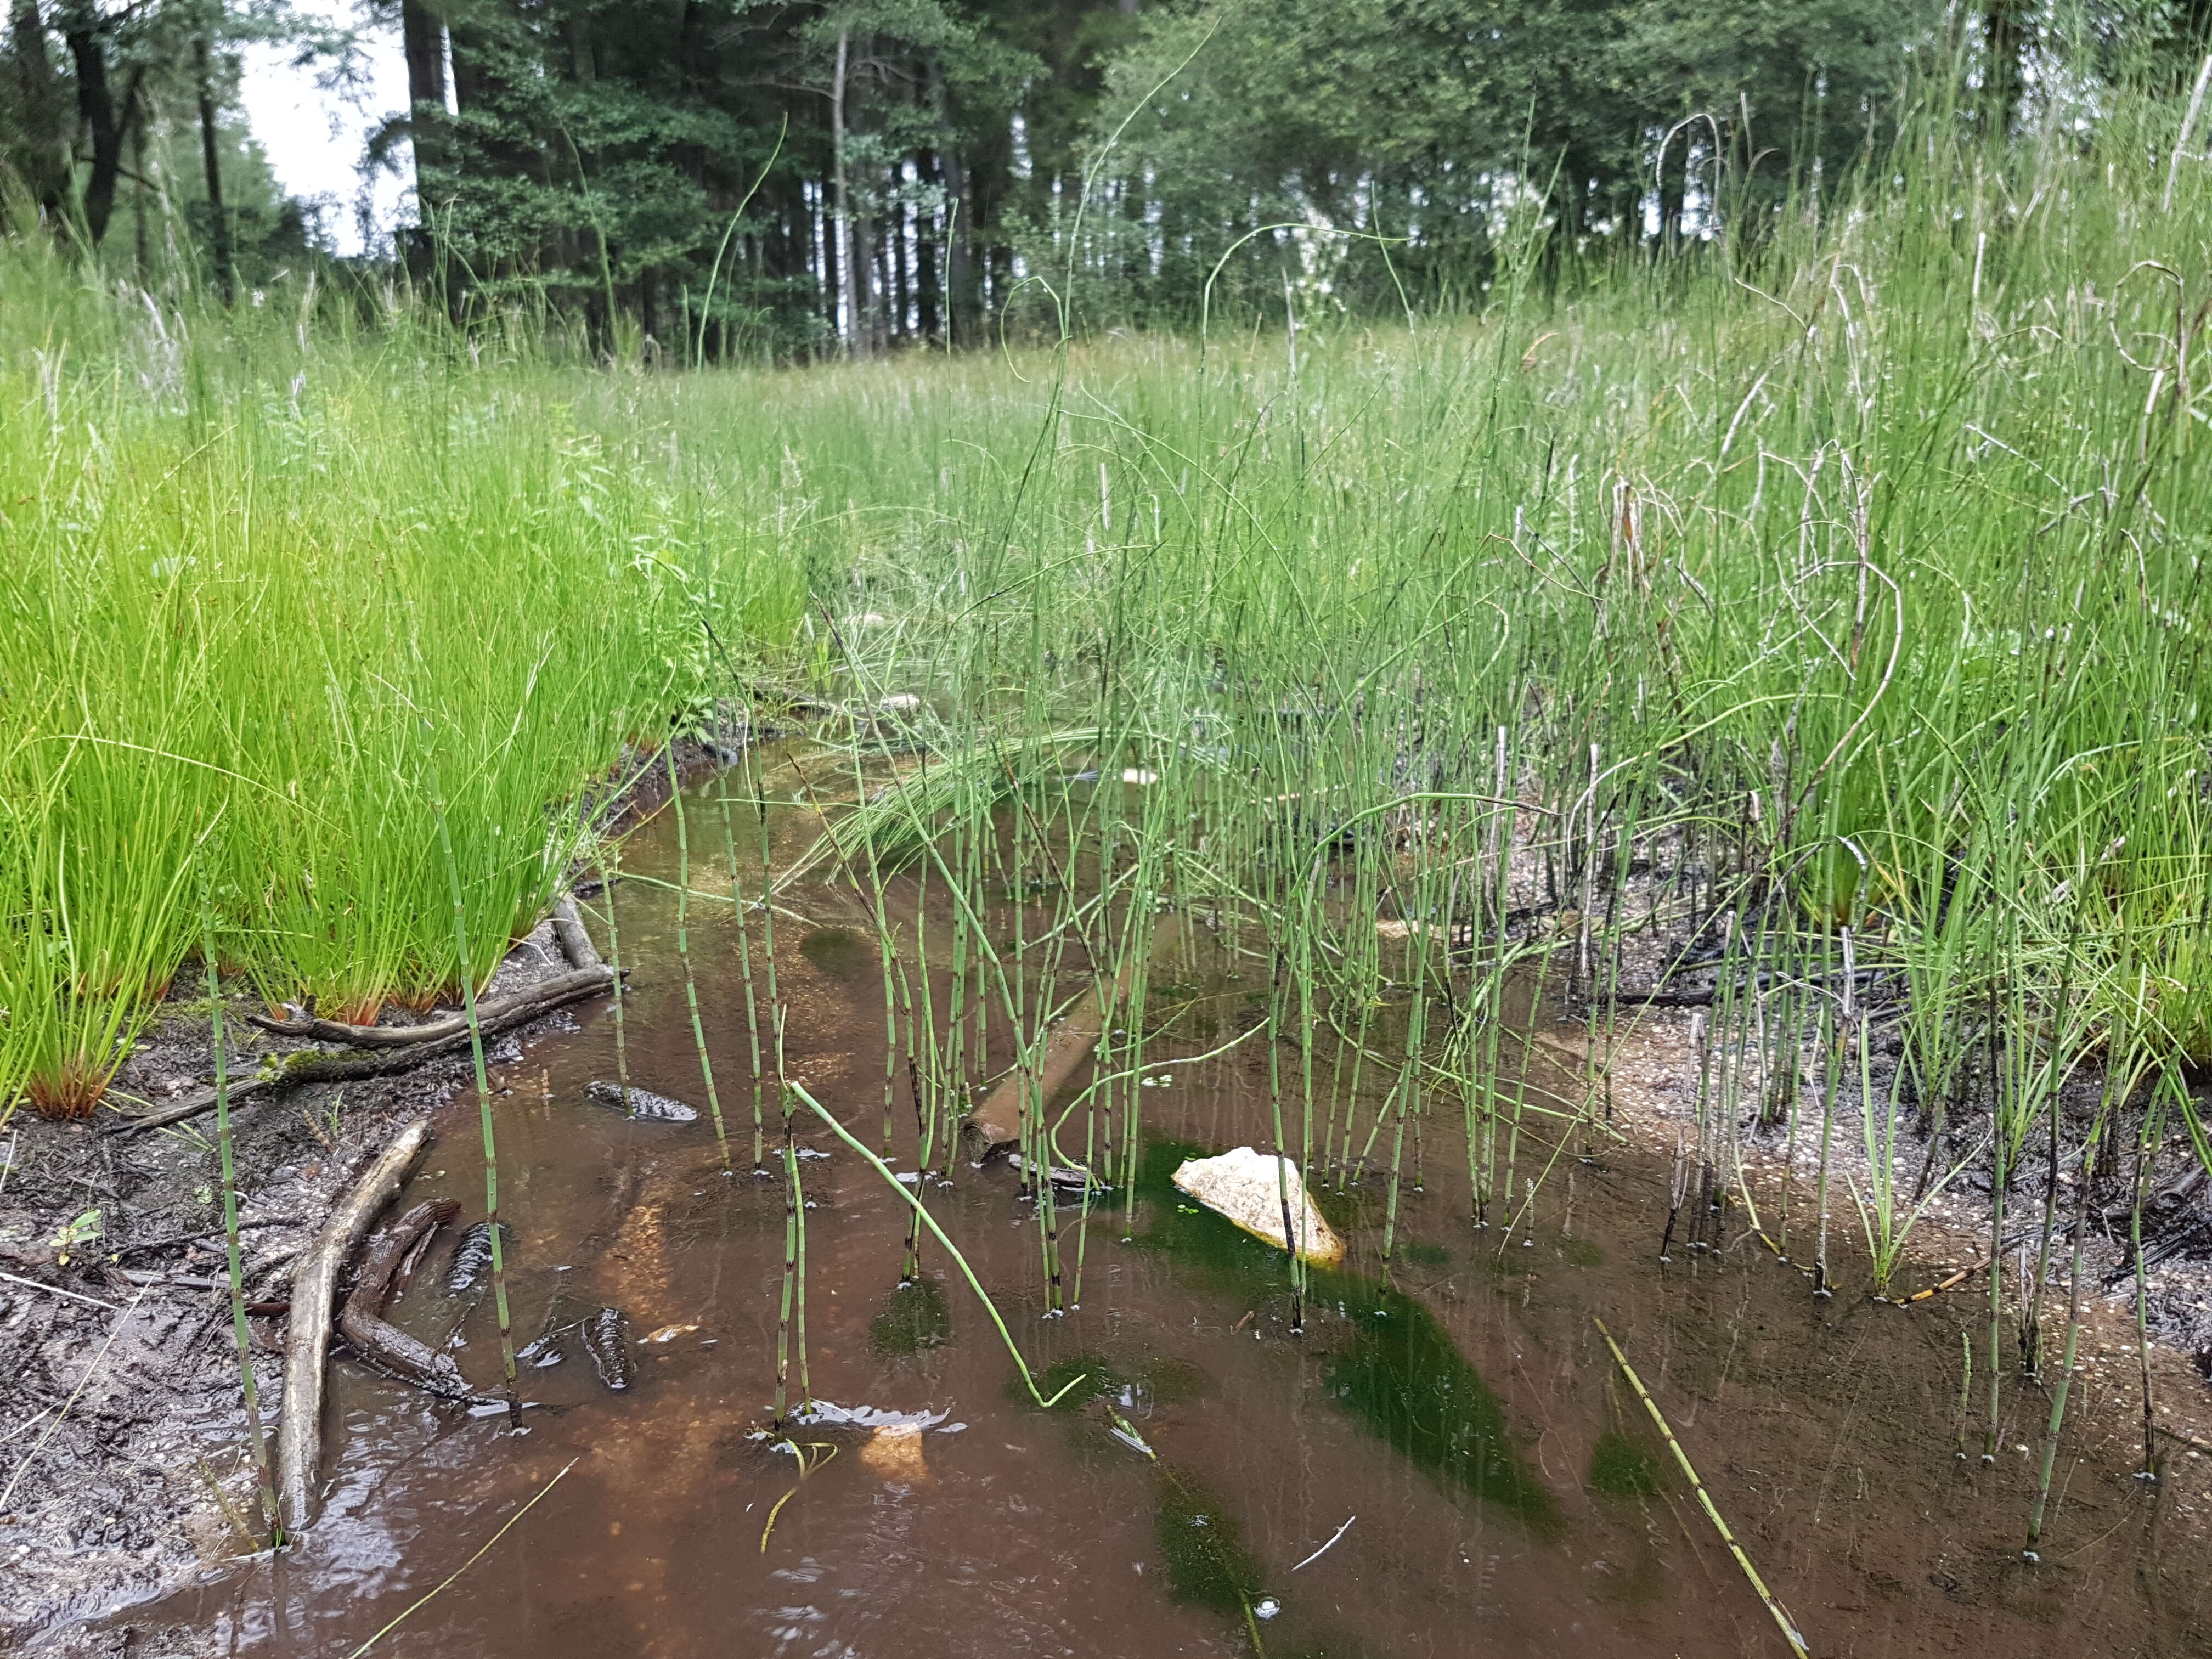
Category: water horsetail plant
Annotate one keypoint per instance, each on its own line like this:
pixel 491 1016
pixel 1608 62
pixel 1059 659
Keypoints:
pixel 483 1103
pixel 1029 1375
pixel 610 877
pixel 791 1314
pixel 684 956
pixel 265 1483
pixel 739 905
pixel 775 1009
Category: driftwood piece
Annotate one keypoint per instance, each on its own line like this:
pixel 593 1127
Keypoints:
pixel 575 943
pixel 998 1121
pixel 362 1321
pixel 320 1065
pixel 307 1339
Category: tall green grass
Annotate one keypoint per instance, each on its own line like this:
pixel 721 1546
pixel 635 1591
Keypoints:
pixel 261 572
pixel 1826 597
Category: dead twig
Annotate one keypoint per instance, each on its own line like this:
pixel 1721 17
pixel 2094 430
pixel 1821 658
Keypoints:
pixel 320 1065
pixel 562 987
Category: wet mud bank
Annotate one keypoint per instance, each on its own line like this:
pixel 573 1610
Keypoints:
pixel 125 1464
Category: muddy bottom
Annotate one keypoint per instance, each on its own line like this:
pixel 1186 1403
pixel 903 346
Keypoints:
pixel 1444 1461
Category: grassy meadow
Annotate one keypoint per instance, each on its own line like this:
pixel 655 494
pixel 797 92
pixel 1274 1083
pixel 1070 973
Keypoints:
pixel 1826 611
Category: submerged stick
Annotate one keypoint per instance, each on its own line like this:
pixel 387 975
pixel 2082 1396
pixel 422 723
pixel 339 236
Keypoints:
pixel 998 1119
pixel 1781 1619
pixel 307 1340
pixel 362 1321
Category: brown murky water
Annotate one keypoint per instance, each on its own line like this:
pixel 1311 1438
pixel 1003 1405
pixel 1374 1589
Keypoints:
pixel 1491 1486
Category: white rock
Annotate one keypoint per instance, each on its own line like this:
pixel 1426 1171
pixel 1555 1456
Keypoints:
pixel 1246 1186
pixel 1139 775
pixel 900 702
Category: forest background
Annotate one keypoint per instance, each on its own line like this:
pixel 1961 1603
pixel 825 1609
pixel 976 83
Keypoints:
pixel 727 179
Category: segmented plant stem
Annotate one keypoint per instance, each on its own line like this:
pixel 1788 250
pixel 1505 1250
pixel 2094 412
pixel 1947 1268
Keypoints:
pixel 265 1481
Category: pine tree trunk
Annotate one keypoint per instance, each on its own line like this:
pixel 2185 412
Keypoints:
pixel 97 115
pixel 963 324
pixel 142 247
pixel 2008 31
pixel 927 318
pixel 851 265
pixel 43 118
pixel 225 275
pixel 422 42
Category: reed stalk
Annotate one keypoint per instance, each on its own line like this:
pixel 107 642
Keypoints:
pixel 483 1101
pixel 265 1481
pixel 684 956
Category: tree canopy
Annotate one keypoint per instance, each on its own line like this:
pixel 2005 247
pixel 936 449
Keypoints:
pixel 710 178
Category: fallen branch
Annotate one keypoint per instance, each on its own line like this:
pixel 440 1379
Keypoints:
pixel 575 943
pixel 562 987
pixel 179 1281
pixel 121 1250
pixel 362 1321
pixel 320 1065
pixel 307 1339
pixel 2188 1440
pixel 1661 999
pixel 998 1121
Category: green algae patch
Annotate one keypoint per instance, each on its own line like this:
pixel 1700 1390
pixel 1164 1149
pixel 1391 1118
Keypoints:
pixel 1222 1254
pixel 1393 1368
pixel 915 1320
pixel 1201 1548
pixel 1405 1380
pixel 1621 1468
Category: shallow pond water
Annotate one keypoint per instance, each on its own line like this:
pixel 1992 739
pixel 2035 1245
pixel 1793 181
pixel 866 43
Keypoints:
pixel 1443 1461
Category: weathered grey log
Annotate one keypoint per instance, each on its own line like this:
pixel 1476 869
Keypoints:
pixel 575 943
pixel 307 1338
pixel 319 1065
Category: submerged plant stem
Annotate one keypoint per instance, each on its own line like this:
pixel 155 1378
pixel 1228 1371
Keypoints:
pixel 1782 1621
